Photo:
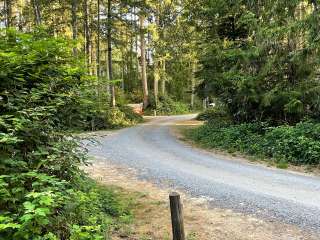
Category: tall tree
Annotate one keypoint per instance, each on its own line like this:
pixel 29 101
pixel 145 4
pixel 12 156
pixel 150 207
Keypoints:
pixel 8 12
pixel 98 41
pixel 109 40
pixel 37 11
pixel 143 62
pixel 74 20
pixel 86 33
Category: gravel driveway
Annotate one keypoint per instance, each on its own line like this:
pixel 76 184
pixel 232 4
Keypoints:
pixel 266 193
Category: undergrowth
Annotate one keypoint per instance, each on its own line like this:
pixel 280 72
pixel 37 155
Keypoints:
pixel 45 93
pixel 297 144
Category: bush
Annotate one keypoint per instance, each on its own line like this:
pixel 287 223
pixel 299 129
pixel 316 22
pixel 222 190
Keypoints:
pixel 216 114
pixel 43 193
pixel 167 106
pixel 299 144
pixel 131 115
pixel 121 117
pixel 36 204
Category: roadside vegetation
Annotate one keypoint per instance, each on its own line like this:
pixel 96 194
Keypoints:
pixel 74 66
pixel 44 95
pixel 297 144
pixel 260 67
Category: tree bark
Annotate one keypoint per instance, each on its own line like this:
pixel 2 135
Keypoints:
pixel 37 12
pixel 156 82
pixel 193 83
pixel 163 81
pixel 74 7
pixel 156 64
pixel 109 39
pixel 143 64
pixel 315 5
pixel 98 42
pixel 86 33
pixel 137 64
pixel 8 13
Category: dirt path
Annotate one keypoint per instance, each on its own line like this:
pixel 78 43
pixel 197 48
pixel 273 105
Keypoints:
pixel 152 217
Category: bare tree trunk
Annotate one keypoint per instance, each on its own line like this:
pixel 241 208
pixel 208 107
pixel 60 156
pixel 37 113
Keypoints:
pixel 143 64
pixel 8 13
pixel 193 84
pixel 156 64
pixel 156 81
pixel 163 82
pixel 98 42
pixel 315 5
pixel 109 39
pixel 86 33
pixel 123 70
pixel 136 43
pixel 107 71
pixel 74 7
pixel 37 12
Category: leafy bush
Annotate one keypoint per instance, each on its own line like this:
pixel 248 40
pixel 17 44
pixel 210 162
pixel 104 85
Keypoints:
pixel 43 193
pixel 36 204
pixel 131 115
pixel 299 144
pixel 216 114
pixel 167 106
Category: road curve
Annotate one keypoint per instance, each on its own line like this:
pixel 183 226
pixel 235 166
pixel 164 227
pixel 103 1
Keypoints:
pixel 158 156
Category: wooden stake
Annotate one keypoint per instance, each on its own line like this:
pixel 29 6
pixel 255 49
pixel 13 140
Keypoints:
pixel 176 216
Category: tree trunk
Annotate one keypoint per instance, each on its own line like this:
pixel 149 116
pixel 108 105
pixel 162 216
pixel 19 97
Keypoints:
pixel 107 70
pixel 74 7
pixel 109 39
pixel 193 84
pixel 156 65
pixel 98 42
pixel 156 82
pixel 143 64
pixel 137 64
pixel 37 12
pixel 8 13
pixel 86 33
pixel 163 81
pixel 315 5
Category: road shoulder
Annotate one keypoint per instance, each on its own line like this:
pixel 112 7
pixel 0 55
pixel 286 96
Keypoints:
pixel 179 132
pixel 152 217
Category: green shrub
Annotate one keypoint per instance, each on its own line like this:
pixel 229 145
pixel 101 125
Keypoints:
pixel 121 117
pixel 43 193
pixel 299 144
pixel 35 204
pixel 217 114
pixel 131 115
pixel 167 106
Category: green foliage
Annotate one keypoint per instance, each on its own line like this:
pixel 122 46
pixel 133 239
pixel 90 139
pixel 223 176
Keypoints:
pixel 215 114
pixel 130 115
pixel 36 205
pixel 260 59
pixel 167 106
pixel 43 93
pixel 298 144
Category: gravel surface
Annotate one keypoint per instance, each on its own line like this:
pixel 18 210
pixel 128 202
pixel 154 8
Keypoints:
pixel 158 156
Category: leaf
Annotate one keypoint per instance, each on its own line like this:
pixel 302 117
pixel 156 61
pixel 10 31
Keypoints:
pixel 29 206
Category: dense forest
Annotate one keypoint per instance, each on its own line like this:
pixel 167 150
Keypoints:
pixel 68 66
pixel 127 45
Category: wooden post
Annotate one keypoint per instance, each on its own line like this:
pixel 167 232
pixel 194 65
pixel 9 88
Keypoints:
pixel 176 216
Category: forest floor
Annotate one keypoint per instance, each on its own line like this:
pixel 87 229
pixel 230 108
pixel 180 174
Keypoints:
pixel 152 217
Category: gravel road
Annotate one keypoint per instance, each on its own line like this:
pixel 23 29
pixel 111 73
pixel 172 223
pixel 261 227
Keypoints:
pixel 275 195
